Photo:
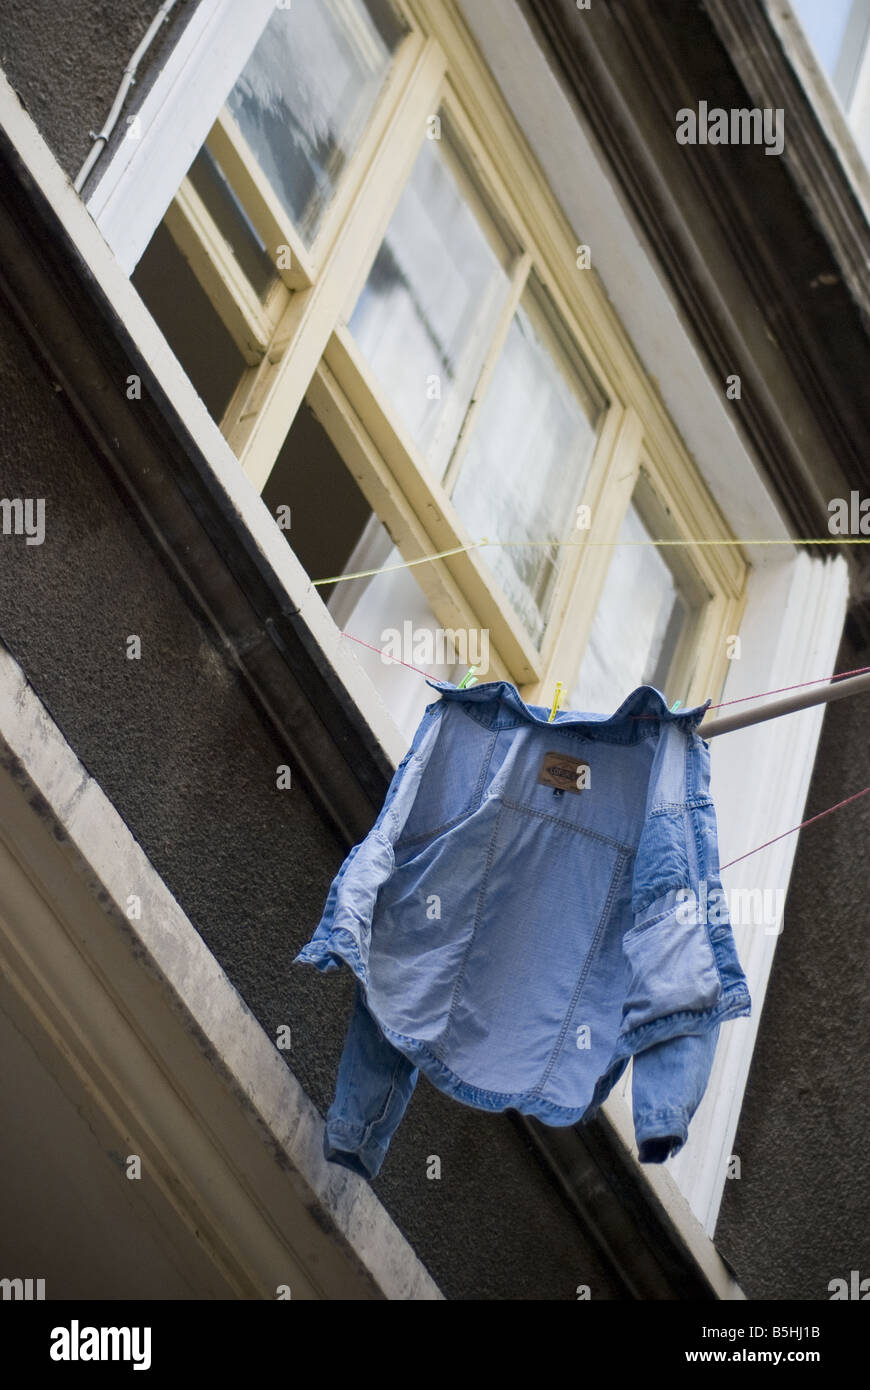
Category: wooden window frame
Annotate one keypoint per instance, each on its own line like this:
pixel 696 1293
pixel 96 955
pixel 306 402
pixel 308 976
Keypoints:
pixel 297 346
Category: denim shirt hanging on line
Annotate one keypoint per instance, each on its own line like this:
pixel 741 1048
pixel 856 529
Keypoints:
pixel 527 914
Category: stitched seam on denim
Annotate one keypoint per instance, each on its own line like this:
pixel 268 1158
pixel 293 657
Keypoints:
pixel 698 832
pixel 735 994
pixel 486 764
pixel 606 912
pixel 466 1085
pixel 567 825
pixel 469 810
pixel 697 766
pixel 493 723
pixel 607 1080
pixel 640 927
pixel 460 978
pixel 588 731
pixel 378 834
pixel 413 755
pixel 438 830
pixel 566 1114
pixel 510 697
pixel 695 868
pixel 379 1119
pixel 658 890
pixel 395 786
pixel 664 808
pixel 454 1076
pixel 702 863
pixel 364 1150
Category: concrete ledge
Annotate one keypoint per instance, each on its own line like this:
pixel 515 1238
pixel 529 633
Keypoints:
pixel 169 1051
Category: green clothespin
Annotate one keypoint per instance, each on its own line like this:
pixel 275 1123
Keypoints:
pixel 557 700
pixel 468 679
pixel 675 706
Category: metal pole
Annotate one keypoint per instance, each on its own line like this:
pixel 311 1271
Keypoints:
pixel 801 699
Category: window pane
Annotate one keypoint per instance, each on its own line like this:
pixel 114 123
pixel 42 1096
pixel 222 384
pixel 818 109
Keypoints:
pixel 232 221
pixel 526 465
pixel 386 611
pixel 637 624
pixel 429 307
pixel 307 470
pixel 189 322
pixel 306 94
pixel 391 612
pixel 838 31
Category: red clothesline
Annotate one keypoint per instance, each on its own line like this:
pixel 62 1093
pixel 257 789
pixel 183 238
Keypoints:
pixel 383 652
pixel 794 829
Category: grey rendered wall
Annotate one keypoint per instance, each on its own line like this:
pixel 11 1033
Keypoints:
pixel 799 1216
pixel 179 750
pixel 66 58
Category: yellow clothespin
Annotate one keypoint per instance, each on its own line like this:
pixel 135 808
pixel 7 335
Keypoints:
pixel 557 700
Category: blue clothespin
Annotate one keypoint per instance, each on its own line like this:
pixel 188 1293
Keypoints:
pixel 468 679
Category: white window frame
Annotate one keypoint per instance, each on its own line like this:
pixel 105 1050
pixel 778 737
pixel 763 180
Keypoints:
pixel 144 174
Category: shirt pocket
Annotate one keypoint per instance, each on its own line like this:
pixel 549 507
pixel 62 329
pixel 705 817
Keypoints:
pixel 670 966
pixel 452 785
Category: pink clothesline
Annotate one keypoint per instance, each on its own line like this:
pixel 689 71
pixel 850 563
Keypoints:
pixel 794 829
pixel 780 689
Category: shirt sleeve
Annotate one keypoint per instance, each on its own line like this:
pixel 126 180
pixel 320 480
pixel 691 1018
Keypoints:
pixel 667 1085
pixel 682 974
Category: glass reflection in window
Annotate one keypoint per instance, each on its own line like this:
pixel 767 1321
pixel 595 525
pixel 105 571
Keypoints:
pixel 638 623
pixel 429 307
pixel 306 94
pixel 527 462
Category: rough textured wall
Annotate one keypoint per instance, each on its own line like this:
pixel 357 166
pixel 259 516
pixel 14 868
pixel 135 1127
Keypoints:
pixel 180 751
pixel 66 61
pixel 800 1214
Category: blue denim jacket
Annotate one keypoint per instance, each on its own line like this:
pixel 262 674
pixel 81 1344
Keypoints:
pixel 520 924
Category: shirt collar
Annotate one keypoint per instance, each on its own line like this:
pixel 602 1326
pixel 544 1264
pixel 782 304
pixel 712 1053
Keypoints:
pixel 499 704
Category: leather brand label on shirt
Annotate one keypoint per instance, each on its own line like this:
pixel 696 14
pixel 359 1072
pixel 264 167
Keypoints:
pixel 564 772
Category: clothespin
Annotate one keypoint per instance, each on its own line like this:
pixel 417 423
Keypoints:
pixel 675 706
pixel 557 700
pixel 468 679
